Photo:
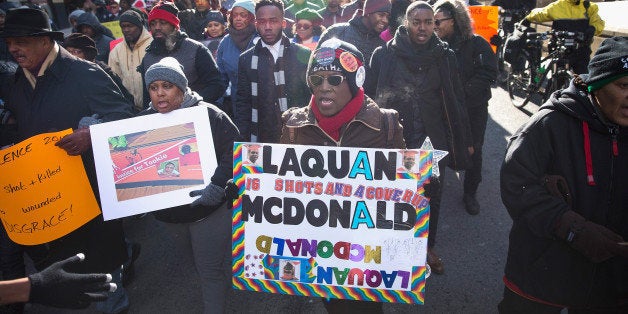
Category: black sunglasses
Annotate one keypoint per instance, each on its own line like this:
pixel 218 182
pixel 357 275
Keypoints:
pixel 333 80
pixel 303 26
pixel 437 22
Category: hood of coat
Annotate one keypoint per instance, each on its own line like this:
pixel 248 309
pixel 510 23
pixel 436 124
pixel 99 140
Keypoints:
pixel 460 13
pixel 89 19
pixel 575 101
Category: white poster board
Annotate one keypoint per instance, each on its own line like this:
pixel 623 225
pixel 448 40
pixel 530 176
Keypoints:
pixel 152 162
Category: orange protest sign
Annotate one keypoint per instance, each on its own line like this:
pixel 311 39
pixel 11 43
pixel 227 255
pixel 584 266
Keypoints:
pixel 44 192
pixel 485 21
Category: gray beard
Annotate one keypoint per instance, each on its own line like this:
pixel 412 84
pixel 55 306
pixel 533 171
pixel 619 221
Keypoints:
pixel 169 42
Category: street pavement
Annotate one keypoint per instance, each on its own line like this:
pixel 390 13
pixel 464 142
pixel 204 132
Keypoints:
pixel 473 249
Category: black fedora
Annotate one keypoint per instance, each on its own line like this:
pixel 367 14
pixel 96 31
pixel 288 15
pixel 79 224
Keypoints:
pixel 26 22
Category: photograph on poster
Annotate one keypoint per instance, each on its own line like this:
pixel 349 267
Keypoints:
pixel 155 161
pixel 152 162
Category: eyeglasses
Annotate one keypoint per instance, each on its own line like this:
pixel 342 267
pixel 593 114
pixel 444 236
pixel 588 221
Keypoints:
pixel 437 22
pixel 303 26
pixel 333 80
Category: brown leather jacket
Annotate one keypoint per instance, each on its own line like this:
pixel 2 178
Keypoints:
pixel 372 127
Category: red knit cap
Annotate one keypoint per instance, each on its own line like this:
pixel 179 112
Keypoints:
pixel 165 11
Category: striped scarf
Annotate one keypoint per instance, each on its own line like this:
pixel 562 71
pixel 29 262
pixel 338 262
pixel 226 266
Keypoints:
pixel 280 84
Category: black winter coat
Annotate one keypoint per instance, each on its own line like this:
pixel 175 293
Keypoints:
pixel 553 142
pixel 70 89
pixel 296 58
pixel 355 33
pixel 198 63
pixel 423 86
pixel 477 64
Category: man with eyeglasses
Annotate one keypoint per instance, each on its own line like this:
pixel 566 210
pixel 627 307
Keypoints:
pixel 416 74
pixel 340 114
pixel 363 30
pixel 477 64
pixel 271 77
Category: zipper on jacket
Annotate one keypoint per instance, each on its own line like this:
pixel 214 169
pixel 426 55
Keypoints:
pixel 614 131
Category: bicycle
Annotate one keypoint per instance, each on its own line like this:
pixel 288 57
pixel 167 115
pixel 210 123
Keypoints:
pixel 535 76
pixel 507 20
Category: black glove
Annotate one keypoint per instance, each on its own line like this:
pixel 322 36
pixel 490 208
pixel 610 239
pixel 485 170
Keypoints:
pixel 496 40
pixel 211 195
pixel 594 241
pixel 54 286
pixel 432 188
pixel 525 23
pixel 231 193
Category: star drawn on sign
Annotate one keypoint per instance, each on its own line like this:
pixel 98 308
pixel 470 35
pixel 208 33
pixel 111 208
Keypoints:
pixel 437 155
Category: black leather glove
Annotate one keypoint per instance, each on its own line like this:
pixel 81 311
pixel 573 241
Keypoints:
pixel 496 40
pixel 594 241
pixel 231 193
pixel 54 286
pixel 525 23
pixel 432 188
pixel 211 195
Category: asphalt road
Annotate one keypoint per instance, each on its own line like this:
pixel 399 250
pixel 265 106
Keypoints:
pixel 473 249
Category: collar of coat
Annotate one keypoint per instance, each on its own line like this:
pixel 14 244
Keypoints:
pixel 369 114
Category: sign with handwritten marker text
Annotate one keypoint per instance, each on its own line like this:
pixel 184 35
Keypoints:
pixel 331 222
pixel 45 192
pixel 485 21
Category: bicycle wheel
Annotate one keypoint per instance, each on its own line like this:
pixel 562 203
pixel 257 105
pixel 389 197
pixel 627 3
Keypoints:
pixel 518 86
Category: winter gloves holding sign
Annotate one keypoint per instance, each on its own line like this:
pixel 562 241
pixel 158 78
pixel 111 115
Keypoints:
pixel 213 195
pixel 56 286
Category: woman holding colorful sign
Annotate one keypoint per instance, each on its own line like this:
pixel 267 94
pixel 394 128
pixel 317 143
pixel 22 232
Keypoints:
pixel 207 218
pixel 340 114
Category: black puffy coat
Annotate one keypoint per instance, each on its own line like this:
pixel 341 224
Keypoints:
pixel 553 142
pixel 355 33
pixel 422 84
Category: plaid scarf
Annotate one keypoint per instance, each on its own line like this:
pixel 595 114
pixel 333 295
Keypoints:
pixel 280 84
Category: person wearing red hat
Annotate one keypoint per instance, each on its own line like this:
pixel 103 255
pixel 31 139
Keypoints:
pixel 169 41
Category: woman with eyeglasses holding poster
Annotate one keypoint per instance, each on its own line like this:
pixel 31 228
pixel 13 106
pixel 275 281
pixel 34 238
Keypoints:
pixel 308 28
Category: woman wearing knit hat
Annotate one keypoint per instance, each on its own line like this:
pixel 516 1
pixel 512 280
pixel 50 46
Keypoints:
pixel 207 217
pixel 214 31
pixel 564 183
pixel 308 28
pixel 339 113
pixel 241 36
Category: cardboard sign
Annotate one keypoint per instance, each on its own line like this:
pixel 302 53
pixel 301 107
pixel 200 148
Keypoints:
pixel 152 162
pixel 331 222
pixel 114 27
pixel 485 21
pixel 45 192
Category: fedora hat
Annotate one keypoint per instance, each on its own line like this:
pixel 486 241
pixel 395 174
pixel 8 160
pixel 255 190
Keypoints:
pixel 27 22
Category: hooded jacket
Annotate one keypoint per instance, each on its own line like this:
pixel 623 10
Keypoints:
pixel 476 60
pixel 570 11
pixel 355 33
pixel 101 38
pixel 198 65
pixel 422 84
pixel 568 137
pixel 124 61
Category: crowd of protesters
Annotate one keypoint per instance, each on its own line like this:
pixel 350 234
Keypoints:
pixel 263 70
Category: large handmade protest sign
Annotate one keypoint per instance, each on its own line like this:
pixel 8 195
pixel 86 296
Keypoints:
pixel 485 21
pixel 335 222
pixel 45 192
pixel 152 162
